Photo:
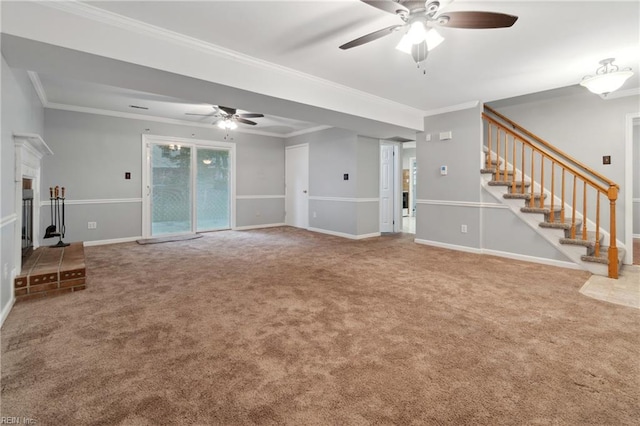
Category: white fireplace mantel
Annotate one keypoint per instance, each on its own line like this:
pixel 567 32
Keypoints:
pixel 30 148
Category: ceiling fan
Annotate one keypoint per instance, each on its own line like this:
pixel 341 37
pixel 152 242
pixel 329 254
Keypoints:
pixel 229 117
pixel 419 18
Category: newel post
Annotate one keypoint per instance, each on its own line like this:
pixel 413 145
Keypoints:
pixel 613 249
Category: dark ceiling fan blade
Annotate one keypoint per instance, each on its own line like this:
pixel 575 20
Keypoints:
pixel 250 115
pixel 242 120
pixel 227 110
pixel 387 6
pixel 203 115
pixel 476 20
pixel 370 37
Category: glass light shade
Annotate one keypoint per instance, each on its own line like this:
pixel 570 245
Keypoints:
pixel 606 83
pixel 433 39
pixel 417 32
pixel 227 124
pixel 405 45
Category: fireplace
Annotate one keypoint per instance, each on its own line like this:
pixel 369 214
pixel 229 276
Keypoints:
pixel 29 151
pixel 27 218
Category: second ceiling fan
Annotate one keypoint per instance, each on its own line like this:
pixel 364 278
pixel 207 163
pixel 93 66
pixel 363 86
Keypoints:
pixel 419 18
pixel 229 117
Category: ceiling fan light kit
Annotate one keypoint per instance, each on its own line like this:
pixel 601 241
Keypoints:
pixel 229 117
pixel 608 78
pixel 420 17
pixel 227 124
pixel 432 38
pixel 417 30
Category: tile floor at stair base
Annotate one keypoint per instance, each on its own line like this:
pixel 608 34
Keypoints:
pixel 623 291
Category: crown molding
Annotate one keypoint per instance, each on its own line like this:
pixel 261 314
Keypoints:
pixel 37 86
pixel 133 116
pixel 94 13
pixel 42 95
pixel 452 108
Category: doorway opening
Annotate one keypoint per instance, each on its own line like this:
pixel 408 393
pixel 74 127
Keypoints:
pixel 632 184
pixel 409 175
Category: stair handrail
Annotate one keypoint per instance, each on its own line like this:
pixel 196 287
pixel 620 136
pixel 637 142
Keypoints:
pixel 602 188
pixel 553 148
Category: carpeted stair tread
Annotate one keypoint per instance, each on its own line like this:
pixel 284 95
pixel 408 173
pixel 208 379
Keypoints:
pixel 578 241
pixel 556 224
pixel 498 171
pixel 526 196
pixel 604 256
pixel 544 210
pixel 507 183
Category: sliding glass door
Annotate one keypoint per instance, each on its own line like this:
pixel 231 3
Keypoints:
pixel 188 187
pixel 171 189
pixel 213 195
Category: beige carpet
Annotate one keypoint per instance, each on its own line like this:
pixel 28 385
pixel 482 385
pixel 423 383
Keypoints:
pixel 284 326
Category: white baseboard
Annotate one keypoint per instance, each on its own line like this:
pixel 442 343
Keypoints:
pixel 635 235
pixel 344 234
pixel 268 225
pixel 112 241
pixel 533 259
pixel 448 246
pixel 515 256
pixel 5 311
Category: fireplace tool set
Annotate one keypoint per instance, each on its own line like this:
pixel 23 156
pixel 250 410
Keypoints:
pixel 57 227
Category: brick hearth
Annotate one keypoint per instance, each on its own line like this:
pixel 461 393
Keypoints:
pixel 51 271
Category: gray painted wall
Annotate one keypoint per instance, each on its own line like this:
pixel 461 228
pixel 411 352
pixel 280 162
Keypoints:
pixel 447 202
pixel 21 112
pixel 93 152
pixel 583 125
pixel 333 153
pixel 438 218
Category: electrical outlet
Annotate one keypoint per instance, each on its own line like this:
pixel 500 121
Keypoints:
pixel 463 229
pixel 258 214
pixel 92 225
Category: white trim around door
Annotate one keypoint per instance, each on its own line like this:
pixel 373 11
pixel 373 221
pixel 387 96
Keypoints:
pixel 297 185
pixel 147 140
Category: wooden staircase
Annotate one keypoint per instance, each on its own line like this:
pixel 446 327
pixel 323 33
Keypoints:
pixel 561 203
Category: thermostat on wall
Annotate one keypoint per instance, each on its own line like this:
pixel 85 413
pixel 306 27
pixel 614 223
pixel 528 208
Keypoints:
pixel 445 136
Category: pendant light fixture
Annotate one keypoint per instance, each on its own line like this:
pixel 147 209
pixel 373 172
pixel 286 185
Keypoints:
pixel 608 78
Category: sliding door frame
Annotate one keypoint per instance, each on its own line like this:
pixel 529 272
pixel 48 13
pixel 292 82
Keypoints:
pixel 194 144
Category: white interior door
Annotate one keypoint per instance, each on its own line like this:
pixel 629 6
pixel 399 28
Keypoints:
pixel 387 199
pixel 297 186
